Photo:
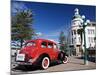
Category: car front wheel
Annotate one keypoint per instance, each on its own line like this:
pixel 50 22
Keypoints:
pixel 45 63
pixel 65 60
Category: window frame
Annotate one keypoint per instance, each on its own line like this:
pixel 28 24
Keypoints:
pixel 45 45
pixel 55 45
pixel 26 44
pixel 48 45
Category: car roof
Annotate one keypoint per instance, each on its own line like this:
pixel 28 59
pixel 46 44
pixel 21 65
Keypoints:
pixel 42 40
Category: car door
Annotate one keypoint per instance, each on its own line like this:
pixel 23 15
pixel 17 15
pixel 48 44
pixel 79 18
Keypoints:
pixel 51 50
pixel 43 47
pixel 55 50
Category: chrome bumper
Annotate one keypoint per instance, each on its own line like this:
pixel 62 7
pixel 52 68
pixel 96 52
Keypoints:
pixel 23 63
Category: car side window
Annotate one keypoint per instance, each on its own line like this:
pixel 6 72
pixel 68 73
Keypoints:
pixel 50 45
pixel 44 44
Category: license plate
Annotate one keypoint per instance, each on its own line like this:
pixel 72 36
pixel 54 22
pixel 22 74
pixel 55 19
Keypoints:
pixel 20 57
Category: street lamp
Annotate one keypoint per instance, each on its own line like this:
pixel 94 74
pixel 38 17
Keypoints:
pixel 85 23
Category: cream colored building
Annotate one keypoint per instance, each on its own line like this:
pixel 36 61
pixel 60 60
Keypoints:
pixel 76 40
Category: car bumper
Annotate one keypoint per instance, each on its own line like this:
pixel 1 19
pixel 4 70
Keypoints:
pixel 23 63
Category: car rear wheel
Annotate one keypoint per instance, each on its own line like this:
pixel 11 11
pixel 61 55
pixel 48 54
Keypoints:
pixel 45 63
pixel 65 60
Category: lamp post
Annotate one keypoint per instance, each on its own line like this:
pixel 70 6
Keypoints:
pixel 85 23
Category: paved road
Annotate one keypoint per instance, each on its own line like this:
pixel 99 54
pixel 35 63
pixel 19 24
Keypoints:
pixel 74 63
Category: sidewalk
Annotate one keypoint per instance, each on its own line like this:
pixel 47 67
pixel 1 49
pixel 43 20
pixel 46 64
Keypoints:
pixel 74 64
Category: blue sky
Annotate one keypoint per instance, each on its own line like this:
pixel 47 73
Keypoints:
pixel 50 18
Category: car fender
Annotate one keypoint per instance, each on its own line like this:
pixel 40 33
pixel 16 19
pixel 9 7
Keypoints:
pixel 61 55
pixel 40 57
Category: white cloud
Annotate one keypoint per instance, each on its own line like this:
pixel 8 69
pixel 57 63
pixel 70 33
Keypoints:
pixel 50 36
pixel 39 34
pixel 53 34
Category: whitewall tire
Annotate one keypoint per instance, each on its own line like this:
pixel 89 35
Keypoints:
pixel 65 60
pixel 45 63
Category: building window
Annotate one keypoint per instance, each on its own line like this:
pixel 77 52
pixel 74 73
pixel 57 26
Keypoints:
pixel 93 32
pixel 72 40
pixel 92 40
pixel 89 39
pixel 74 32
pixel 88 31
pixel 79 39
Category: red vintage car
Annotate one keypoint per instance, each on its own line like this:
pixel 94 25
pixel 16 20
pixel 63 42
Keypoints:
pixel 40 52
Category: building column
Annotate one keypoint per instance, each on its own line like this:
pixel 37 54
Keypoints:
pixel 77 47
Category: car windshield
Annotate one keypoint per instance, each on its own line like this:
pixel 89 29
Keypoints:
pixel 30 44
